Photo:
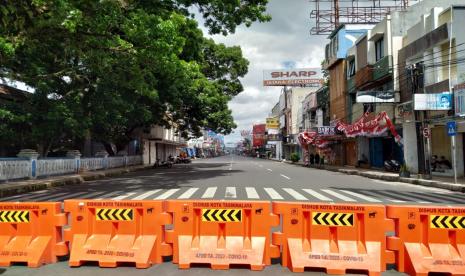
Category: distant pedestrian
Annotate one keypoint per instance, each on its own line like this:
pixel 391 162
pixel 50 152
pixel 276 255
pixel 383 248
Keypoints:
pixel 317 159
pixel 312 159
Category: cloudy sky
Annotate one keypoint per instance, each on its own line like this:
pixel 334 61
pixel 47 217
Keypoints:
pixel 286 38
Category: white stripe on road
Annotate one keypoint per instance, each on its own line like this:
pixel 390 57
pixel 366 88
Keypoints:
pixel 75 195
pixel 251 193
pixel 285 176
pixel 364 197
pixel 45 197
pixel 396 195
pixel 230 192
pixel 126 195
pixel 109 195
pixel 146 194
pixel 188 193
pixel 294 194
pixel 317 195
pixel 209 193
pixel 338 195
pixel 29 195
pixel 384 197
pixel 92 194
pixel 273 194
pixel 167 194
pixel 270 170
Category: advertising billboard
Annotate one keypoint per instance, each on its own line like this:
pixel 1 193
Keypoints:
pixel 459 99
pixel 258 135
pixel 437 101
pixel 376 96
pixel 272 123
pixel 293 77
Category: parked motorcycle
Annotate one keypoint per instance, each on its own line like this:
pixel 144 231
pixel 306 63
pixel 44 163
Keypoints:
pixel 391 166
pixel 163 164
pixel 185 160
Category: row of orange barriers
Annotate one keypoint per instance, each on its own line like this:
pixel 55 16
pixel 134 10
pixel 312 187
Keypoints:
pixel 334 237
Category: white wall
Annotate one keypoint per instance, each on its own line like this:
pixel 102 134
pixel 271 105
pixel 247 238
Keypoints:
pixel 410 146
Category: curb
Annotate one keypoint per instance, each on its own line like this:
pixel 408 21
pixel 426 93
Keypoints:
pixel 391 177
pixel 35 185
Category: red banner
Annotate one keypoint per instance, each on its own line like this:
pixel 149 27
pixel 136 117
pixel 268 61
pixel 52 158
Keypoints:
pixel 370 127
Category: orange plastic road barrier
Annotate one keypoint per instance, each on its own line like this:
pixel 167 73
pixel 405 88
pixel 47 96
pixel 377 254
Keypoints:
pixel 221 233
pixel 428 239
pixel 112 232
pixel 338 238
pixel 31 233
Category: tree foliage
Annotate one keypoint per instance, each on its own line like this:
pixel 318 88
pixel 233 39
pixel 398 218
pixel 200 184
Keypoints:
pixel 110 67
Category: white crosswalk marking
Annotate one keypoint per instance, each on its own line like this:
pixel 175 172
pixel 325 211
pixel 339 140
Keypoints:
pixel 397 195
pixel 384 197
pixel 30 195
pixel 167 194
pixel 126 195
pixel 251 193
pixel 210 192
pixel 230 192
pixel 426 199
pixel 92 194
pixel 317 195
pixel 294 194
pixel 44 197
pixel 338 195
pixel 70 196
pixel 188 193
pixel 273 194
pixel 146 194
pixel 364 197
pixel 109 195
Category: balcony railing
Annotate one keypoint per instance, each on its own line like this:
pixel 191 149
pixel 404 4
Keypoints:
pixel 363 76
pixel 382 68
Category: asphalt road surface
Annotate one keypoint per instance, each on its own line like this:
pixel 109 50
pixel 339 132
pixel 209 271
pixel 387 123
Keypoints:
pixel 231 178
pixel 238 178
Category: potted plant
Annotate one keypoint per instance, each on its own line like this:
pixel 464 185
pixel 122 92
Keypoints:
pixel 295 157
pixel 404 171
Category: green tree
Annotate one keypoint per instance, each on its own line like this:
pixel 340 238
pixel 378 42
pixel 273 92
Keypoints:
pixel 106 68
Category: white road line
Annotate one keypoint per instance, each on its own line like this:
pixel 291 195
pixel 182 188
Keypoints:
pixel 230 192
pixel 45 197
pixel 109 195
pixel 70 196
pixel 317 195
pixel 406 198
pixel 251 193
pixel 126 195
pixel 188 193
pixel 92 194
pixel 272 193
pixel 167 194
pixel 209 193
pixel 146 194
pixel 384 197
pixel 134 187
pixel 426 198
pixel 338 195
pixel 364 197
pixel 294 194
pixel 270 170
pixel 287 177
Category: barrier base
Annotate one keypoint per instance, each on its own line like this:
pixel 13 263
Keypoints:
pixel 439 258
pixel 334 258
pixel 25 249
pixel 110 250
pixel 221 253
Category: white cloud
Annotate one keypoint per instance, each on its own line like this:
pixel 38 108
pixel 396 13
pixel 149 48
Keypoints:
pixel 269 46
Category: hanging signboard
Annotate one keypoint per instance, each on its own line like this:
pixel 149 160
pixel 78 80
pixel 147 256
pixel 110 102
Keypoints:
pixel 293 77
pixel 437 101
pixel 459 99
pixel 272 123
pixel 326 130
pixel 376 96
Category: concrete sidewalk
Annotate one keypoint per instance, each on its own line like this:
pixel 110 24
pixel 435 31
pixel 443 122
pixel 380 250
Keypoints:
pixel 24 186
pixel 437 182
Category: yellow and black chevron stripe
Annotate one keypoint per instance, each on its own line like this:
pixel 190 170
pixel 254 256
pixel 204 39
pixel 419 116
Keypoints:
pixel 333 219
pixel 447 222
pixel 14 216
pixel 115 214
pixel 222 215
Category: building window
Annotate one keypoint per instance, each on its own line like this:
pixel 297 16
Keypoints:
pixel 379 48
pixel 351 68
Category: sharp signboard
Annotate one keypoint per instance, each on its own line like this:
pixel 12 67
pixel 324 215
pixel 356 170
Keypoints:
pixel 293 77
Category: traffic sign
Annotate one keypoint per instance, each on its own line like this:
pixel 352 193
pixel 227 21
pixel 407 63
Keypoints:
pixel 451 128
pixel 426 132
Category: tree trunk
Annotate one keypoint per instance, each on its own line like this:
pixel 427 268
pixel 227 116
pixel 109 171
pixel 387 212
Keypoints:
pixel 108 148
